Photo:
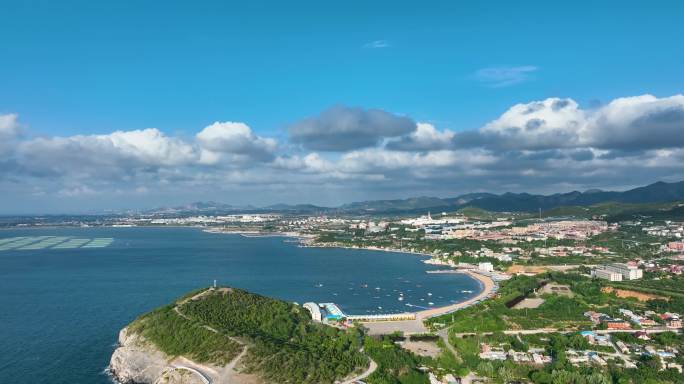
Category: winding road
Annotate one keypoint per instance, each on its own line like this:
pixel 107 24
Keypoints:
pixel 204 377
pixel 371 368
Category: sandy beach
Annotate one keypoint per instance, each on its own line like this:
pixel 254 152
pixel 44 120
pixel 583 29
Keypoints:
pixel 487 289
pixel 409 327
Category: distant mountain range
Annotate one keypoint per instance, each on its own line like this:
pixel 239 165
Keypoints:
pixel 200 207
pixel 659 192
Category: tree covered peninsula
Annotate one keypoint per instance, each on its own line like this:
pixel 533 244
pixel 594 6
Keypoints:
pixel 230 335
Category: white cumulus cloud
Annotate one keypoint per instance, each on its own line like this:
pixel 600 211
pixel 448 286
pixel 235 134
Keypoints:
pixel 234 138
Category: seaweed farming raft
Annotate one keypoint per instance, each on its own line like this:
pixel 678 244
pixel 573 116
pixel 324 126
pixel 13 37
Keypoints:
pixel 35 243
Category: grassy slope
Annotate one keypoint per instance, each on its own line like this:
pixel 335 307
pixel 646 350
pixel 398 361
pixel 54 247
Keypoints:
pixel 177 336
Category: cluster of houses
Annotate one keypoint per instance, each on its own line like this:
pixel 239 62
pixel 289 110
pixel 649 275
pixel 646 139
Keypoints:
pixel 672 269
pixel 486 252
pixel 669 229
pixel 666 354
pixel 623 350
pixel 619 350
pixel 533 356
pixel 578 358
pixel 610 322
pixel 503 232
pixel 563 251
pixel 630 318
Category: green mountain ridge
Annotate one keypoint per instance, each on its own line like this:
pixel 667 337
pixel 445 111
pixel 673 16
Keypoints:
pixel 659 192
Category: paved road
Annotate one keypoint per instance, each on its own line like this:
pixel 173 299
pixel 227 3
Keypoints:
pixel 547 330
pixel 444 334
pixel 205 377
pixel 371 368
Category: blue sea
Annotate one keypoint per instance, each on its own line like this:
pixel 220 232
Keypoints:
pixel 61 309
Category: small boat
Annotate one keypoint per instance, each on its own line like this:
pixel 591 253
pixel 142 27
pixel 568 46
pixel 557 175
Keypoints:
pixel 377 288
pixel 429 294
pixel 379 307
pixel 401 298
pixel 364 285
pixel 319 285
pixel 431 303
pixel 466 291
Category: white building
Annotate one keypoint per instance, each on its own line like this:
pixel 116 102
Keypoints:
pixel 486 267
pixel 628 271
pixel 605 274
pixel 314 310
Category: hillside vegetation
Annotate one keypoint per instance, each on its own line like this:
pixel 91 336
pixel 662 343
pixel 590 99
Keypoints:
pixel 284 344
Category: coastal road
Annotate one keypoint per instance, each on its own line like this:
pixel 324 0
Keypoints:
pixel 548 330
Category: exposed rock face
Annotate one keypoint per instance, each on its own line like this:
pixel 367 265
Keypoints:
pixel 137 362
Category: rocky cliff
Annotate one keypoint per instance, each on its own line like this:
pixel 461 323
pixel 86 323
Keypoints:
pixel 136 361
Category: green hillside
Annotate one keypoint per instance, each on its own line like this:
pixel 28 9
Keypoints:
pixel 284 344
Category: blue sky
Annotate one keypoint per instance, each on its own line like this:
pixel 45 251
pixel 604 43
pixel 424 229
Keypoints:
pixel 86 68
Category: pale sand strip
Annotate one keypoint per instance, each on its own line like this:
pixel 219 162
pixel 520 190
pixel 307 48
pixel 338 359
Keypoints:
pixel 488 289
pixel 416 326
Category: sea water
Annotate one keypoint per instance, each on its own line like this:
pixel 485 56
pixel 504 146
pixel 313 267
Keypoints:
pixel 61 308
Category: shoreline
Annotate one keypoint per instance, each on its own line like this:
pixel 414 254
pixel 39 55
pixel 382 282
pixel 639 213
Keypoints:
pixel 417 325
pixel 488 289
pixel 488 286
pixel 367 249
